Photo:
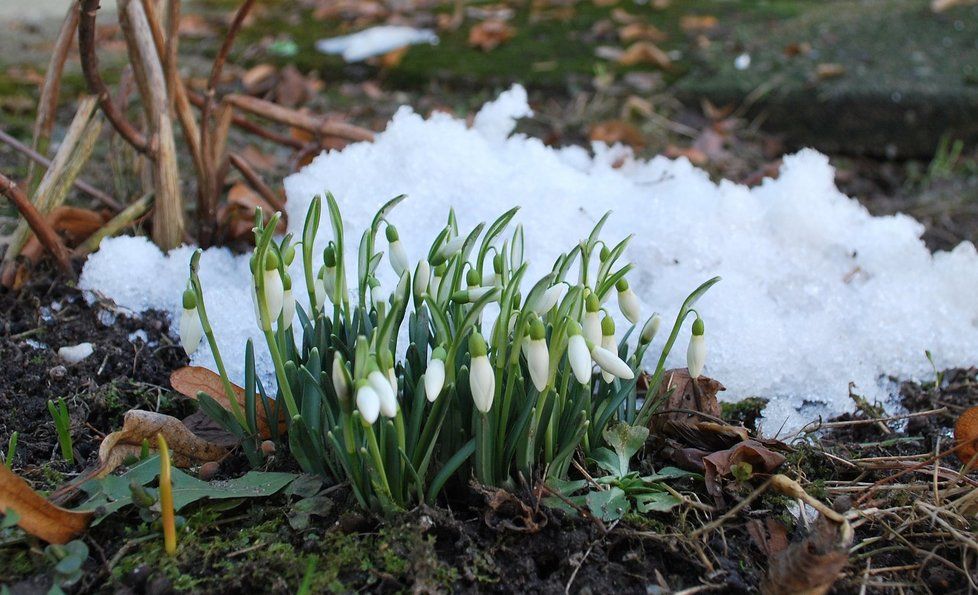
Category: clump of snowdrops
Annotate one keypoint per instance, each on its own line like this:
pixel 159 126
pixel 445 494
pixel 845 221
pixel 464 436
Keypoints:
pixel 502 378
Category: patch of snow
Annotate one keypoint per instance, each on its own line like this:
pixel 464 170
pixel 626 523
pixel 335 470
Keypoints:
pixel 106 317
pixel 138 335
pixel 375 41
pixel 73 354
pixel 816 292
pixel 35 344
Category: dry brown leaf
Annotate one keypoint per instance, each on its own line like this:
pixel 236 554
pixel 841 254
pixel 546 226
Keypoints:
pixel 488 35
pixel 718 464
pixel 645 52
pixel 194 26
pixel 812 565
pixel 259 79
pixel 641 32
pixel 191 380
pixel 966 433
pixel 258 159
pixel 293 88
pixel 692 22
pixel 616 131
pixel 695 156
pixel 942 5
pixel 509 513
pixel 393 58
pixel 622 16
pixel 678 386
pixel 186 448
pixel 771 537
pixel 38 516
pixel 829 71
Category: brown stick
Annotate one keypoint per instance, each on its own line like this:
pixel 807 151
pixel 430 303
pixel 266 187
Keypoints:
pixel 248 126
pixel 47 105
pixel 38 224
pixel 89 62
pixel 284 115
pixel 36 157
pixel 254 180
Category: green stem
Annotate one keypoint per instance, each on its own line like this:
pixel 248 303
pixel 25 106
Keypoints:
pixel 283 381
pixel 378 459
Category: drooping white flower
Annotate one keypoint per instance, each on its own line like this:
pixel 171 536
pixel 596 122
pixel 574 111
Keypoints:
pixel 191 330
pixel 368 402
pixel 341 378
pixel 288 304
pixel 578 355
pixel 549 299
pixel 696 352
pixel 449 249
pixel 650 329
pixel 274 292
pixel 382 386
pixel 628 302
pixel 319 289
pixel 482 379
pixel 328 273
pixel 608 342
pixel 399 259
pixel 434 376
pixel 591 324
pixel 471 295
pixel 422 275
pixel 538 355
pixel 609 362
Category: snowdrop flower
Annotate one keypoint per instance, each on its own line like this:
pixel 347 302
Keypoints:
pixel 319 287
pixel 449 249
pixel 696 352
pixel 377 296
pixel 288 303
pixel 538 355
pixel 628 302
pixel 274 289
pixel 387 363
pixel 592 319
pixel 650 329
pixel 472 295
pixel 608 342
pixel 435 283
pixel 422 275
pixel 609 362
pixel 191 330
pixel 578 354
pixel 368 402
pixel 434 376
pixel 399 259
pixel 329 272
pixel 341 378
pixel 549 299
pixel 381 385
pixel 482 379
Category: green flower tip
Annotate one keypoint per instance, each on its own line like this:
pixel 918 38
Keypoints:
pixel 537 330
pixel 289 254
pixel 698 327
pixel 189 300
pixel 473 278
pixel 391 233
pixel 286 282
pixel 607 326
pixel 477 346
pixel 271 261
pixel 592 303
pixel 622 284
pixel 439 353
pixel 497 264
pixel 329 256
pixel 573 328
pixel 604 254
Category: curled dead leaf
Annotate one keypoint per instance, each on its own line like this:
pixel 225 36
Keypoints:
pixel 645 52
pixel 191 380
pixel 616 131
pixel 506 512
pixel 719 464
pixel 641 31
pixel 682 397
pixel 692 22
pixel 966 437
pixel 488 35
pixel 811 565
pixel 829 71
pixel 38 516
pixel 186 448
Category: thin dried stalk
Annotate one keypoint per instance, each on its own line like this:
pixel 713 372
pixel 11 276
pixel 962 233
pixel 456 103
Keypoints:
pixel 39 159
pixel 116 224
pixel 47 105
pixel 283 115
pixel 248 126
pixel 74 151
pixel 36 221
pixel 255 181
pixel 168 224
pixel 96 86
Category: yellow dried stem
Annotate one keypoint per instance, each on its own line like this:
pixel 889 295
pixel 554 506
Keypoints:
pixel 166 498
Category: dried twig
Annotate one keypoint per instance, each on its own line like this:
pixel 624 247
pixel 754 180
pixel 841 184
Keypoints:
pixel 38 224
pixel 284 115
pixel 248 126
pixel 116 224
pixel 96 86
pixel 254 180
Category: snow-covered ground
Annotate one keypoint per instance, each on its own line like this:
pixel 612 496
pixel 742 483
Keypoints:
pixel 816 292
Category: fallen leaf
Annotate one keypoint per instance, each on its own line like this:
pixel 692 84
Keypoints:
pixel 942 5
pixel 698 22
pixel 507 512
pixel 695 156
pixel 679 393
pixel 37 515
pixel 294 89
pixel 811 565
pixel 191 380
pixel 616 131
pixel 829 71
pixel 186 448
pixel 718 464
pixel 488 35
pixel 194 26
pixel 258 159
pixel 966 436
pixel 641 31
pixel 644 52
pixel 259 79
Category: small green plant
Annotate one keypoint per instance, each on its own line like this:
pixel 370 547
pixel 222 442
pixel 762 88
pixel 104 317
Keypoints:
pixel 8 459
pixel 621 491
pixel 62 423
pixel 67 561
pixel 938 375
pixel 496 395
pixel 945 159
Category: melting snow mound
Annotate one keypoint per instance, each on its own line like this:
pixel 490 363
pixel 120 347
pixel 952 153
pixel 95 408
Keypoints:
pixel 816 292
